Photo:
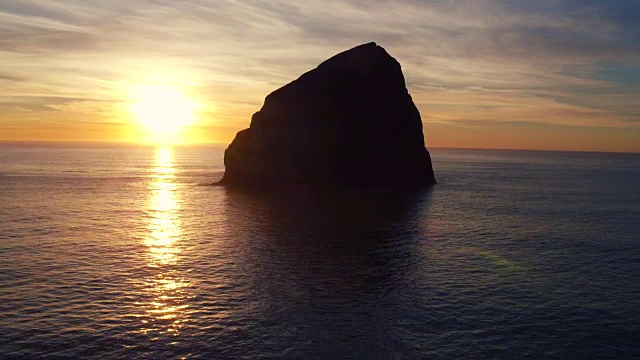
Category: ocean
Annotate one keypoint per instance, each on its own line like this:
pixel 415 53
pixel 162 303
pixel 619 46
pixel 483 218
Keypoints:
pixel 129 252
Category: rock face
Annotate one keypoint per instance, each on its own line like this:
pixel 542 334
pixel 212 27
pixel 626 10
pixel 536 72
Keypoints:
pixel 348 124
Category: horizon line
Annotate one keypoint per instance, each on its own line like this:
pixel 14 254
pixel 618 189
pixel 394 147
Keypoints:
pixel 196 144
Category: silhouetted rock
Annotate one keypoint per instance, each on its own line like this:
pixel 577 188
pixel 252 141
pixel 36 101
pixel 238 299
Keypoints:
pixel 349 123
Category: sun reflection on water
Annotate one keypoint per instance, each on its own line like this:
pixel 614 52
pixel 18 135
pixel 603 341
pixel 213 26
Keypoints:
pixel 167 311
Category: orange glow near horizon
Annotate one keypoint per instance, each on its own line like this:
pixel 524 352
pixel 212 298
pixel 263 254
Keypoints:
pixel 169 111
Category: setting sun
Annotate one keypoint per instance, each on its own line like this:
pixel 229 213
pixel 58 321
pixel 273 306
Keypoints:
pixel 163 111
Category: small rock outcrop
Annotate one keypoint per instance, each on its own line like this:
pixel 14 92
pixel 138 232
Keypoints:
pixel 348 124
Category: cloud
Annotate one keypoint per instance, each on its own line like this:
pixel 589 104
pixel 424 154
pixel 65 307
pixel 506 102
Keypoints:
pixel 20 108
pixel 12 77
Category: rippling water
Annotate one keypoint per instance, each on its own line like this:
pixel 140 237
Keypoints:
pixel 126 252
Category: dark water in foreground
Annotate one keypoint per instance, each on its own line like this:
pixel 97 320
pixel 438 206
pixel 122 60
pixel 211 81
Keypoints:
pixel 122 252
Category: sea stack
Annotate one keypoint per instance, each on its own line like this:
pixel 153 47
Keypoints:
pixel 350 123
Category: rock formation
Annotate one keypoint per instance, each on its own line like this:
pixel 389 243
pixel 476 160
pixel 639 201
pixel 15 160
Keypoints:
pixel 348 124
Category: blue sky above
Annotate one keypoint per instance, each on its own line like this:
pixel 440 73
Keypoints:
pixel 569 63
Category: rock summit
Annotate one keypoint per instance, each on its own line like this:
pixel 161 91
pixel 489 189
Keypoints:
pixel 350 123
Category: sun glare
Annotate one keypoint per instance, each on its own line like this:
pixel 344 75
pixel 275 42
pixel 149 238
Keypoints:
pixel 163 111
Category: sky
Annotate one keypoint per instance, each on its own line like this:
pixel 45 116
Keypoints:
pixel 545 74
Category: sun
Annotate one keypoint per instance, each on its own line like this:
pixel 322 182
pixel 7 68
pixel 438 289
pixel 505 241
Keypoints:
pixel 163 111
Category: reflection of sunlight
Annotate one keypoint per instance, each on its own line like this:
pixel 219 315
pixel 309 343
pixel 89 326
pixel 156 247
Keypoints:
pixel 167 310
pixel 164 162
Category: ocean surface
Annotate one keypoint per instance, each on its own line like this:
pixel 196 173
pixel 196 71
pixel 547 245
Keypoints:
pixel 128 252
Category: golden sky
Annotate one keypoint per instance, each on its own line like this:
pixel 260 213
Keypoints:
pixel 486 73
